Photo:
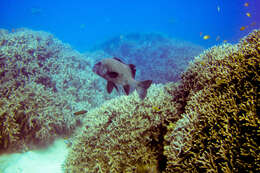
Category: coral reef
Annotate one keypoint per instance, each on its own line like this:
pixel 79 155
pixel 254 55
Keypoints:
pixel 166 58
pixel 123 135
pixel 42 83
pixel 207 122
pixel 219 131
pixel 33 116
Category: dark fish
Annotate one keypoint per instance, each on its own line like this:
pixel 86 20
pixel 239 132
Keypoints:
pixel 118 73
pixel 80 112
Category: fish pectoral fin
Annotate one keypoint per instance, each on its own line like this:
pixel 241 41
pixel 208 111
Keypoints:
pixel 127 89
pixel 133 69
pixel 110 86
pixel 112 74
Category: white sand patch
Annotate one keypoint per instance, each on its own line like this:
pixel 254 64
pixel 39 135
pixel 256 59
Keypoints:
pixel 41 161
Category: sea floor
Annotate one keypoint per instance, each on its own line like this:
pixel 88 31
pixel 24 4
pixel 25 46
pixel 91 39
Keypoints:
pixel 41 161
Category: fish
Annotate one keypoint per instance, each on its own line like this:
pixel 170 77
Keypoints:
pixel 248 14
pixel 201 33
pixel 82 26
pixel 80 112
pixel 156 108
pixel 205 37
pixel 243 28
pixel 117 73
pixel 218 38
pixel 218 8
pixel 246 4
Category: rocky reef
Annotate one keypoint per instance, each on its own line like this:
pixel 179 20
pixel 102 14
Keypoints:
pixel 207 122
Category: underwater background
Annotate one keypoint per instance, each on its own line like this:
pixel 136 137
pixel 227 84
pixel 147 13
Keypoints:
pixel 84 24
pixel 199 115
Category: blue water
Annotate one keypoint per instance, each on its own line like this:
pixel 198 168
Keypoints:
pixel 85 23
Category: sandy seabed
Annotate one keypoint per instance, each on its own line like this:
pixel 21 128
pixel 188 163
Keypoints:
pixel 41 161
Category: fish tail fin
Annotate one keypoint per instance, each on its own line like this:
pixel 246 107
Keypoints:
pixel 142 88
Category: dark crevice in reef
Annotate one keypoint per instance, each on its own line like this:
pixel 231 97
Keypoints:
pixel 157 145
pixel 162 160
pixel 47 82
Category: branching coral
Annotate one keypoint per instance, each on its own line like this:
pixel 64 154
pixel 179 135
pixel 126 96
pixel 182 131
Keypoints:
pixel 32 116
pixel 42 82
pixel 206 123
pixel 123 135
pixel 223 130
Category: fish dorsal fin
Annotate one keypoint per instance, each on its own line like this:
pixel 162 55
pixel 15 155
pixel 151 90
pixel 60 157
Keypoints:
pixel 118 60
pixel 133 69
pixel 132 66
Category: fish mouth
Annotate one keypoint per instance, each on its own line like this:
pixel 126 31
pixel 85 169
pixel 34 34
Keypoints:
pixel 99 69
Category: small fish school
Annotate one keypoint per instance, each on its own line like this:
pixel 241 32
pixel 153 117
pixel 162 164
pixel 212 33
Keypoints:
pixel 242 28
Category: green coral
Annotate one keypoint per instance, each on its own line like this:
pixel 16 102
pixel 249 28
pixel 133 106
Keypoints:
pixel 30 114
pixel 221 107
pixel 123 135
pixel 206 123
pixel 42 83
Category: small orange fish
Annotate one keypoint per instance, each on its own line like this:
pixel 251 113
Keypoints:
pixel 248 14
pixel 206 37
pixel 80 112
pixel 246 4
pixel 242 28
